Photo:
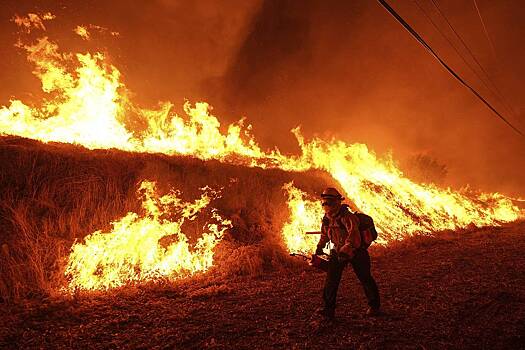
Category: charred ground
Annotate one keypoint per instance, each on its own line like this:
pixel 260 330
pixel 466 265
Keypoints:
pixel 457 290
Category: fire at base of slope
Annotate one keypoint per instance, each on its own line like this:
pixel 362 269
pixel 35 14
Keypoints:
pixel 133 251
pixel 152 246
pixel 87 104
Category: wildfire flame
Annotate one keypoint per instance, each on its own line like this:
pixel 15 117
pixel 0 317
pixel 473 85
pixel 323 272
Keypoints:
pixel 399 206
pixel 87 104
pixel 487 210
pixel 304 217
pixel 132 251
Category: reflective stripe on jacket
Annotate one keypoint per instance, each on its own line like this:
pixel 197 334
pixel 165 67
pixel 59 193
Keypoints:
pixel 343 230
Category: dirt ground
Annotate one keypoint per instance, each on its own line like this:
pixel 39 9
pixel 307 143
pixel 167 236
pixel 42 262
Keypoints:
pixel 457 290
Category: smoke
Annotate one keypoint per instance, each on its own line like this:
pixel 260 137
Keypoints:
pixel 348 70
pixel 338 68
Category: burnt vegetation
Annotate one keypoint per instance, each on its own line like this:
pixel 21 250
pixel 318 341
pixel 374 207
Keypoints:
pixel 449 290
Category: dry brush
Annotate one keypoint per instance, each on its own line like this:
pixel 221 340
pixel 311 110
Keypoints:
pixel 52 195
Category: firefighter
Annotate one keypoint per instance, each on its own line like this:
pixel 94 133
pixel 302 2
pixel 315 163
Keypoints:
pixel 341 227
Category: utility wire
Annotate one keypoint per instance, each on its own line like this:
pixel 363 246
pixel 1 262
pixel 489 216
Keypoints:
pixel 425 45
pixel 496 91
pixel 484 28
pixel 434 24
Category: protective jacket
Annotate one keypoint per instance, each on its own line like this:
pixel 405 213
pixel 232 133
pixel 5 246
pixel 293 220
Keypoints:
pixel 343 230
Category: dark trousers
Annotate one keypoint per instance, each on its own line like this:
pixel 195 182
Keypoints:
pixel 361 265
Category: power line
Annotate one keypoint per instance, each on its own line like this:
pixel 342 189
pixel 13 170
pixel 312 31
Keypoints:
pixel 496 91
pixel 484 28
pixel 463 82
pixel 434 24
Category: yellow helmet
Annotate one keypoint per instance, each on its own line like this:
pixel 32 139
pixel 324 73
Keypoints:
pixel 331 193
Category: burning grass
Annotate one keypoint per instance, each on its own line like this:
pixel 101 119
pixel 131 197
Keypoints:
pixel 55 194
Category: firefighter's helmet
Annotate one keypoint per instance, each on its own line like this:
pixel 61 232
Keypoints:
pixel 331 193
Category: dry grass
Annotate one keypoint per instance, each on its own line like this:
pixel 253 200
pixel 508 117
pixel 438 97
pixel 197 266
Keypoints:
pixel 54 194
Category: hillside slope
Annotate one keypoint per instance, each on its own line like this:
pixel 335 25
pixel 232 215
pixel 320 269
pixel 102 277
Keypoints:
pixel 54 194
pixel 459 290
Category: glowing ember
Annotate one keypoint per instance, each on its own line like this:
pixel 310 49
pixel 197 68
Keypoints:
pixel 132 251
pixel 32 20
pixel 82 32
